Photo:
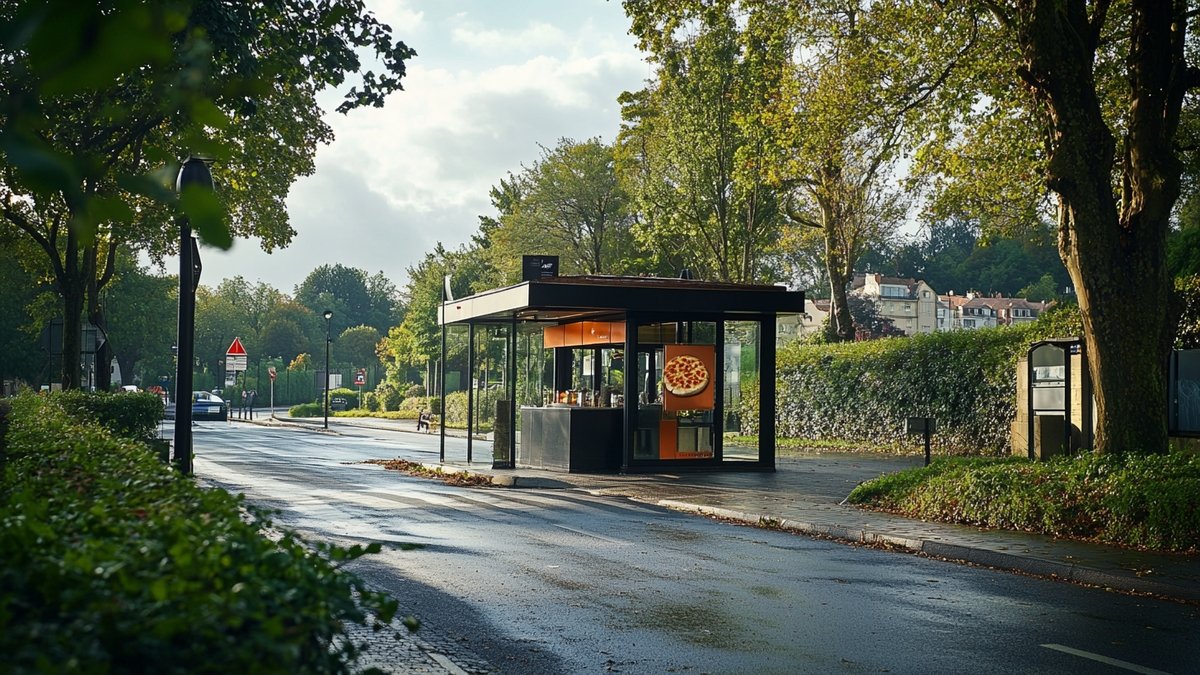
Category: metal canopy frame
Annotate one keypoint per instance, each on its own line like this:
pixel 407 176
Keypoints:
pixel 636 301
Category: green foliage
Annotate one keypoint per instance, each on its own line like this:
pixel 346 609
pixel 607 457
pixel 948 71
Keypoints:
pixel 689 153
pixel 485 408
pixel 387 396
pixel 864 391
pixel 1187 334
pixel 127 415
pixel 354 297
pixel 351 396
pixel 112 562
pixel 355 347
pixel 1150 502
pixel 306 410
pixel 103 100
pixel 415 404
pixel 568 204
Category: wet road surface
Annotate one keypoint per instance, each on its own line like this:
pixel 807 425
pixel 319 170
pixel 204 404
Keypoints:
pixel 566 581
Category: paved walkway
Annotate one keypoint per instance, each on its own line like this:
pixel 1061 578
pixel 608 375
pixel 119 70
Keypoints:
pixel 806 494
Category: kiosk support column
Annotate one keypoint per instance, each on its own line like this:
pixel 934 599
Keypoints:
pixel 631 390
pixel 470 387
pixel 766 391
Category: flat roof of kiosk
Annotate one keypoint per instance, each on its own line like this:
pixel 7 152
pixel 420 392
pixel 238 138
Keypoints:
pixel 570 298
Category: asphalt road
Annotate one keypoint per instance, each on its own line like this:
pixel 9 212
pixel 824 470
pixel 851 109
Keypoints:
pixel 562 581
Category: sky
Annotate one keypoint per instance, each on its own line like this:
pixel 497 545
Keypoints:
pixel 490 83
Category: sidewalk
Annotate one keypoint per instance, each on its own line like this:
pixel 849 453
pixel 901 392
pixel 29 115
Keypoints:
pixel 805 495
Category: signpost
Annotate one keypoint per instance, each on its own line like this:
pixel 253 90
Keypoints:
pixel 360 378
pixel 236 360
pixel 271 372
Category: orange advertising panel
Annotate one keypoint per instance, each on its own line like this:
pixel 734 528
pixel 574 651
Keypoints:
pixel 583 334
pixel 689 377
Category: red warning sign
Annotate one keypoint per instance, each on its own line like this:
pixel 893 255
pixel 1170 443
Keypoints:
pixel 236 349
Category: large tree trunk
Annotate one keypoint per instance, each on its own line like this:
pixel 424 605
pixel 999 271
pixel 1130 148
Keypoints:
pixel 1115 252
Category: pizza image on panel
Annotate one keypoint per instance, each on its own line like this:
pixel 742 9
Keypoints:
pixel 685 375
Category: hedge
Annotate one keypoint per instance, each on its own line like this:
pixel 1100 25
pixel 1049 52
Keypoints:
pixel 128 415
pixel 114 563
pixel 864 391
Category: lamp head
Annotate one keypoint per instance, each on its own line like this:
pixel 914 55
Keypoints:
pixel 328 315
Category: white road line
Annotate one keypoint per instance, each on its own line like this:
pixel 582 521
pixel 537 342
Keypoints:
pixel 592 534
pixel 1116 663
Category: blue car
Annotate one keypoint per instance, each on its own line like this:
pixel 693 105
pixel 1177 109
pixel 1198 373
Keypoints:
pixel 208 406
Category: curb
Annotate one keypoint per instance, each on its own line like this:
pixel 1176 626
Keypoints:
pixel 978 556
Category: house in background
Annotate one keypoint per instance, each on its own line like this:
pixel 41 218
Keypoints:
pixel 971 311
pixel 911 304
pixel 799 326
pixel 1015 311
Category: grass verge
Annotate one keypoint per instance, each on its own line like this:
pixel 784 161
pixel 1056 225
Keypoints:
pixel 1146 502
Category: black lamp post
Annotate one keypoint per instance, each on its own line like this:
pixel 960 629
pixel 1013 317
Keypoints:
pixel 328 316
pixel 193 172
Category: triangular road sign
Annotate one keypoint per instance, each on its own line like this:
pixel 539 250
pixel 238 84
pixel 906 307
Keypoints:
pixel 236 349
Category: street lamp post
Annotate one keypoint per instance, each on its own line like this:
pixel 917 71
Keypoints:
pixel 328 316
pixel 193 172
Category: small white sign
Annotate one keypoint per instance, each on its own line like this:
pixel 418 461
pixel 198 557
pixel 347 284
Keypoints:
pixel 230 378
pixel 236 363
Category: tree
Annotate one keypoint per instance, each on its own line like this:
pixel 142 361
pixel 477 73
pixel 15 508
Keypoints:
pixel 20 358
pixel 688 158
pixel 1097 103
pixel 92 135
pixel 356 346
pixel 568 203
pixel 399 354
pixel 284 339
pixel 141 308
pixel 354 297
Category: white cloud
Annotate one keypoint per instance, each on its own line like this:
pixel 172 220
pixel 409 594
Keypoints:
pixel 536 36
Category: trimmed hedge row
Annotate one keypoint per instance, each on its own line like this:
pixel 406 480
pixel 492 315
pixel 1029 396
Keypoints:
pixel 127 415
pixel 112 562
pixel 864 391
pixel 1150 501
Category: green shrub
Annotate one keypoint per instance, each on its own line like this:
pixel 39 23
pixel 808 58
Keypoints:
pixel 864 391
pixel 414 390
pixel 370 402
pixel 306 410
pixel 128 415
pixel 485 406
pixel 114 563
pixel 351 396
pixel 389 396
pixel 415 404
pixel 1150 501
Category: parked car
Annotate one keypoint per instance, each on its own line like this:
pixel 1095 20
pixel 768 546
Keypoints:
pixel 338 403
pixel 208 406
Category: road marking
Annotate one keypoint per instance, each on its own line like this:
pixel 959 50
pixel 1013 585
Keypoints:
pixel 1116 663
pixel 591 534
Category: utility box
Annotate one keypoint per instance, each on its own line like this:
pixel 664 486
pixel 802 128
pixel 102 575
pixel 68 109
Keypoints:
pixel 1054 400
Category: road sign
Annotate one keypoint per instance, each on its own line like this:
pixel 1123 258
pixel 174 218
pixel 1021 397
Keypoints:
pixel 271 372
pixel 360 378
pixel 235 357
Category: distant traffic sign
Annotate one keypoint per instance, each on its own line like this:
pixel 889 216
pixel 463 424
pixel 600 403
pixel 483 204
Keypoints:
pixel 271 372
pixel 360 378
pixel 236 348
pixel 235 357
